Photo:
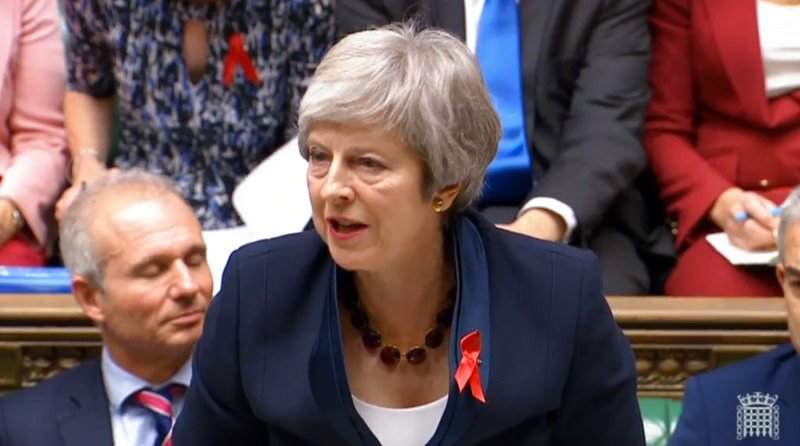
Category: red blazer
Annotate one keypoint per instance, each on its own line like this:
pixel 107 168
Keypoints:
pixel 710 125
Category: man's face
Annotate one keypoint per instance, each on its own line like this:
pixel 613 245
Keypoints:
pixel 789 277
pixel 157 283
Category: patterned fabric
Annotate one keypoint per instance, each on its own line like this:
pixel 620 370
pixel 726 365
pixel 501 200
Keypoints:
pixel 204 136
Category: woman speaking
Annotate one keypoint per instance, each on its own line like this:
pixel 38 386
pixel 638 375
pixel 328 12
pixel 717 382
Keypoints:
pixel 406 319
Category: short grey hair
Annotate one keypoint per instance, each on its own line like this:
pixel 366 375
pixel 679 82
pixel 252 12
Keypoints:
pixel 790 215
pixel 77 243
pixel 424 86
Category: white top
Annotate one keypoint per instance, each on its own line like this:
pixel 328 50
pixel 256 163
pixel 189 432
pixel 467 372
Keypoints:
pixel 472 19
pixel 413 426
pixel 779 32
pixel 134 425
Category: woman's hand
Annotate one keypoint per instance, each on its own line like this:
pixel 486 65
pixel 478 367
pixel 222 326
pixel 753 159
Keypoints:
pixel 86 169
pixel 754 233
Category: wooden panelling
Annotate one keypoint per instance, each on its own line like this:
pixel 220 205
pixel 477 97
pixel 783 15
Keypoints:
pixel 673 338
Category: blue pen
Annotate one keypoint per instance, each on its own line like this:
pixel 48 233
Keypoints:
pixel 742 216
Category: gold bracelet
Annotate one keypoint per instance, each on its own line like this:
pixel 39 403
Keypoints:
pixel 19 220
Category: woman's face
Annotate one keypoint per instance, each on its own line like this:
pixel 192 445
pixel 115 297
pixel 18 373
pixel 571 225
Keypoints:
pixel 366 189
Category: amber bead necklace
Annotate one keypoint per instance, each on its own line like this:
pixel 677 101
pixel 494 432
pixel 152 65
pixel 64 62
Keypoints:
pixel 389 354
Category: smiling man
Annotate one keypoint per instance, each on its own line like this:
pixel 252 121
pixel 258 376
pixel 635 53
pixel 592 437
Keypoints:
pixel 139 267
pixel 756 402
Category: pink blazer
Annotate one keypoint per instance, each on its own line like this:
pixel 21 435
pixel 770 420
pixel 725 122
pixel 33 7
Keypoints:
pixel 33 142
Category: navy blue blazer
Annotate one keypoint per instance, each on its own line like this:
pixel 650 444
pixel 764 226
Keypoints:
pixel 71 409
pixel 269 368
pixel 718 401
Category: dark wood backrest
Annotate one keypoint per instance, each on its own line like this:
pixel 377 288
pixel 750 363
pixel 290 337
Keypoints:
pixel 673 338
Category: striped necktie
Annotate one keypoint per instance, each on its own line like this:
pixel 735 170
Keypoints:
pixel 509 177
pixel 159 404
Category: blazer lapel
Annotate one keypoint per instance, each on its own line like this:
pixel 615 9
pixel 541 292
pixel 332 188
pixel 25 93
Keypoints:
pixel 734 24
pixel 328 376
pixel 84 416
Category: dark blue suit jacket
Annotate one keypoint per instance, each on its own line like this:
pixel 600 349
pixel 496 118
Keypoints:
pixel 71 409
pixel 269 368
pixel 712 406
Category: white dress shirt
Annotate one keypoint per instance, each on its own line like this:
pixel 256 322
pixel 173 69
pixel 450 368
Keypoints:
pixel 472 18
pixel 779 34
pixel 134 425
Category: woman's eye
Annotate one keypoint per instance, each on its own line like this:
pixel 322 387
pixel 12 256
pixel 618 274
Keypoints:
pixel 371 163
pixel 316 155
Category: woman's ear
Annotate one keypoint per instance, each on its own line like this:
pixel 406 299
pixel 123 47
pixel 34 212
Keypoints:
pixel 447 196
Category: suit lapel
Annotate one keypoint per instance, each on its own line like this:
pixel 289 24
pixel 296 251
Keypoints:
pixel 534 16
pixel 84 417
pixel 734 25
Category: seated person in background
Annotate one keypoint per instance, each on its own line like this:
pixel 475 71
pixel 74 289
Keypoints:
pixel 723 133
pixel 756 401
pixel 403 318
pixel 33 142
pixel 137 256
pixel 205 90
pixel 569 79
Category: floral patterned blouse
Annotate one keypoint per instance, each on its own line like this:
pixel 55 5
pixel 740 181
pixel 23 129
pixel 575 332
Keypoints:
pixel 209 135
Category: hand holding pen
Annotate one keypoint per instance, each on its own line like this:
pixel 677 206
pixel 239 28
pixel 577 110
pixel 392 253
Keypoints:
pixel 744 215
pixel 749 219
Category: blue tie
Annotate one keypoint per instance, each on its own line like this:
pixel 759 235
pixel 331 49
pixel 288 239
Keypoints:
pixel 508 179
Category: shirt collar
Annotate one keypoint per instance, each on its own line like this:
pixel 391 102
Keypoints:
pixel 120 383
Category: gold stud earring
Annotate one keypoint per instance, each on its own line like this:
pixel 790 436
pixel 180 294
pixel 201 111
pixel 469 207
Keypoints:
pixel 438 205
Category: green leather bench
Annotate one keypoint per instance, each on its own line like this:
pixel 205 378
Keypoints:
pixel 660 416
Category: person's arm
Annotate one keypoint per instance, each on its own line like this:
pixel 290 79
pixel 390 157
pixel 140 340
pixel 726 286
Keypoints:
pixel 36 173
pixel 691 429
pixel 599 404
pixel 600 151
pixel 216 411
pixel 89 103
pixel 689 185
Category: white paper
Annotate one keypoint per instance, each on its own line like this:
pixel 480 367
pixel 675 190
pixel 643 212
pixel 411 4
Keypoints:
pixel 737 256
pixel 220 243
pixel 273 199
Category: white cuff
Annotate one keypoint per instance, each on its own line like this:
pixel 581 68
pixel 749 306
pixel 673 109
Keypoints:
pixel 556 206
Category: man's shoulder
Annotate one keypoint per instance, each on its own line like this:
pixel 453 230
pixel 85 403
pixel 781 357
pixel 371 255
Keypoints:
pixel 47 392
pixel 745 376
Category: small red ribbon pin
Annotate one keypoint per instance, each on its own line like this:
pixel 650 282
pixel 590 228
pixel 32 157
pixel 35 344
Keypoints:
pixel 468 370
pixel 237 56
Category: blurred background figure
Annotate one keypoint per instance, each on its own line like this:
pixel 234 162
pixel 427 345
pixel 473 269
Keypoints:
pixel 138 260
pixel 569 80
pixel 33 145
pixel 406 318
pixel 759 399
pixel 723 133
pixel 205 90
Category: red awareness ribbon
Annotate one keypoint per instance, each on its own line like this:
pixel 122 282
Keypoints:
pixel 468 370
pixel 237 56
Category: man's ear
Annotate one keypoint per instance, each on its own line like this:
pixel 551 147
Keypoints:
pixel 448 195
pixel 89 295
